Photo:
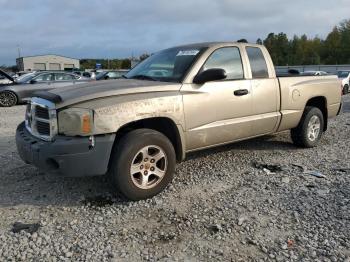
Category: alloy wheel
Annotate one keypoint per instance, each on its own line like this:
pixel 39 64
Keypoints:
pixel 313 128
pixel 148 167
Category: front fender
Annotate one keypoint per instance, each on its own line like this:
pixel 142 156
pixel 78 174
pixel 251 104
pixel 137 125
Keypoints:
pixel 110 118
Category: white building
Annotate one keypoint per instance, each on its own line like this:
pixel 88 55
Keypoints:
pixel 46 62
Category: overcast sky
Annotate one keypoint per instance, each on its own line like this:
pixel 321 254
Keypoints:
pixel 120 28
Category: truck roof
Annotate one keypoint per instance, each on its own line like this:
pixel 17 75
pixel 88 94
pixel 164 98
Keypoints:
pixel 213 44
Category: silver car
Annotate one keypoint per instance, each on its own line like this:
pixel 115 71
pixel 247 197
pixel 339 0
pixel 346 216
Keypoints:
pixel 22 88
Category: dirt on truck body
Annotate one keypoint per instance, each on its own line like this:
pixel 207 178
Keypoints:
pixel 177 101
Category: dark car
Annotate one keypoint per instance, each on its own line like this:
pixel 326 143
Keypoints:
pixel 24 87
pixel 115 74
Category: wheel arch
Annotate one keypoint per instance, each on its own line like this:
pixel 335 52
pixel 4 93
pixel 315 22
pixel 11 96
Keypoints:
pixel 320 102
pixel 163 125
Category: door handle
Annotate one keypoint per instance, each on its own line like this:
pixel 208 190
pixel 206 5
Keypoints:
pixel 241 92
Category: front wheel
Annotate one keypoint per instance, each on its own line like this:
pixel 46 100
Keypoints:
pixel 309 131
pixel 142 164
pixel 8 99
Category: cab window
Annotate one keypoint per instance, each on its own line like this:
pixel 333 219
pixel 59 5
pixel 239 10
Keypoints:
pixel 227 58
pixel 43 78
pixel 64 77
pixel 113 75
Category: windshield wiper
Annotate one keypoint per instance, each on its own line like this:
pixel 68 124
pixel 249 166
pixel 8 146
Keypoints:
pixel 143 77
pixel 123 76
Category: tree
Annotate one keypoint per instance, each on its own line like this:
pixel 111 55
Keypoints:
pixel 126 64
pixel 344 29
pixel 143 56
pixel 279 46
pixel 332 52
pixel 105 63
pixel 335 49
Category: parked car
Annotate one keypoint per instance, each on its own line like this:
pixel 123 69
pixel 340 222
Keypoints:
pixel 345 78
pixel 82 73
pixel 21 73
pixel 135 129
pixel 17 90
pixel 314 73
pixel 115 74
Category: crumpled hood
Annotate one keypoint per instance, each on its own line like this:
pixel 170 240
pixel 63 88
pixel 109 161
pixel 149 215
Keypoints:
pixel 97 89
pixel 7 76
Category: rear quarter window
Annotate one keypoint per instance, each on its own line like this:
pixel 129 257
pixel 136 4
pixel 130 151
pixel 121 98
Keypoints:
pixel 257 62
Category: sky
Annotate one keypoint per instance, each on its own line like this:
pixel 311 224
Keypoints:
pixel 122 28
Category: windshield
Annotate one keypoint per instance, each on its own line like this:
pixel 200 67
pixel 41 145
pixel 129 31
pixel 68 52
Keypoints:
pixel 343 74
pixel 100 75
pixel 25 78
pixel 170 65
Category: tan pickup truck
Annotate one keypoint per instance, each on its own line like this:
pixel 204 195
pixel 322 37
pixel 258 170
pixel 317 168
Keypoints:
pixel 177 101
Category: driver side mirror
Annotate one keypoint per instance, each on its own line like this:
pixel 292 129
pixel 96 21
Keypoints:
pixel 210 75
pixel 32 81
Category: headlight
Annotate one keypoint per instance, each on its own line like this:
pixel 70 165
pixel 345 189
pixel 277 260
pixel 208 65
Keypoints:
pixel 76 122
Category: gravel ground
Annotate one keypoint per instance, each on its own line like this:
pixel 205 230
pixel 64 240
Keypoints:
pixel 222 205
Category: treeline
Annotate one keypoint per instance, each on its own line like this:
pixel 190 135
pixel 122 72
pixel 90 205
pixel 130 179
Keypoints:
pixel 335 49
pixel 105 63
pixel 110 63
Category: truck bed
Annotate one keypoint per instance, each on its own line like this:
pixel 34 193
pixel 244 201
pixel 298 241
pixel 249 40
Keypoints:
pixel 296 90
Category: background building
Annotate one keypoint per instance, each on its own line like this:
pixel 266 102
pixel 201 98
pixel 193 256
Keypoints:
pixel 46 62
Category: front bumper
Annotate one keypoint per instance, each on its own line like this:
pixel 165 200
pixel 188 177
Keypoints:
pixel 66 156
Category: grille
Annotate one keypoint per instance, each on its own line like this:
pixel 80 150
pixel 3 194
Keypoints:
pixel 43 128
pixel 41 120
pixel 41 112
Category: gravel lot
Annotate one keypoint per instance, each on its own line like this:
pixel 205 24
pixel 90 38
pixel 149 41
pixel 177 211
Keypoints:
pixel 222 205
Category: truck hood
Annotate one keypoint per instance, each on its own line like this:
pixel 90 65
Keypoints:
pixel 70 95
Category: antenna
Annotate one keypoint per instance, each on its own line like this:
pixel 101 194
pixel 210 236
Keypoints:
pixel 19 51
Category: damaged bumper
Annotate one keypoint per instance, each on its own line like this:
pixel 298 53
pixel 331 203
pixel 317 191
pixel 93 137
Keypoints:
pixel 66 156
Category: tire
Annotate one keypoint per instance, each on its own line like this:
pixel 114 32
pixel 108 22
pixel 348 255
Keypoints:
pixel 305 134
pixel 134 152
pixel 8 99
pixel 346 89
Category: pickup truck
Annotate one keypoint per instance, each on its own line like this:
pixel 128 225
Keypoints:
pixel 177 101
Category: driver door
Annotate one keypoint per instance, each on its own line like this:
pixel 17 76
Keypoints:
pixel 218 112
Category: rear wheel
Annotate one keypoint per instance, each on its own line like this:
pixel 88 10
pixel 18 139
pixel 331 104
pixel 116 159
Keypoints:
pixel 310 129
pixel 142 164
pixel 8 99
